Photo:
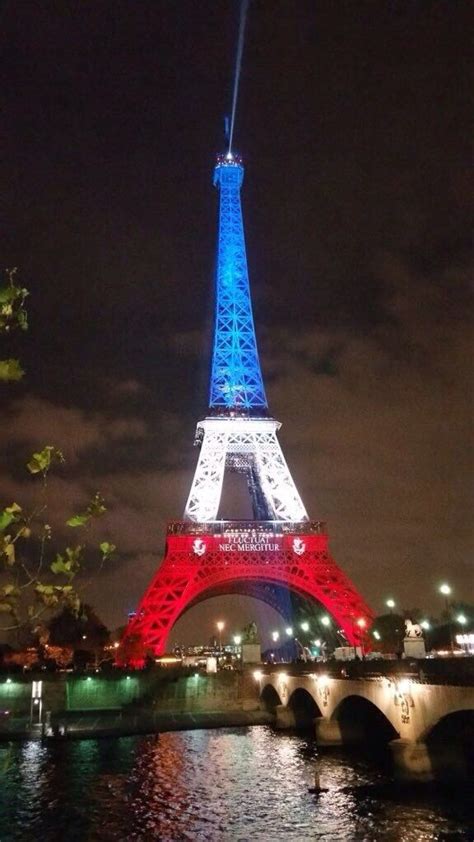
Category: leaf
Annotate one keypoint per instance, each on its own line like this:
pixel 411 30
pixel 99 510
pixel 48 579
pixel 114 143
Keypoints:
pixel 9 550
pixel 6 519
pixel 10 590
pixel 14 509
pixel 10 370
pixel 43 589
pixel 78 520
pixel 107 549
pixel 60 566
pixel 74 553
pixel 41 462
pixel 96 507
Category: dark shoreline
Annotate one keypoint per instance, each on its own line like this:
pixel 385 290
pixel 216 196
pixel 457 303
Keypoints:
pixel 95 724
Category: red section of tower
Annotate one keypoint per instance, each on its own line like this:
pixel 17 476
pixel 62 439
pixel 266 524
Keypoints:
pixel 200 558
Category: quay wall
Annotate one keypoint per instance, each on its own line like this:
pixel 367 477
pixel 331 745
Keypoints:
pixel 158 690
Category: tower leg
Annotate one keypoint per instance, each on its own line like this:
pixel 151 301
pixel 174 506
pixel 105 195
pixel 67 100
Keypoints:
pixel 276 481
pixel 204 498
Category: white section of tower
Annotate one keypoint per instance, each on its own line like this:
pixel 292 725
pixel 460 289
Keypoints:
pixel 255 439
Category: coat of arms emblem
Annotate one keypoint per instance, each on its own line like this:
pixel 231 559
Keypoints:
pixel 199 547
pixel 299 546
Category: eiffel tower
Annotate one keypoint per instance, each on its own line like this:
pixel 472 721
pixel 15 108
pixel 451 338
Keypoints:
pixel 280 549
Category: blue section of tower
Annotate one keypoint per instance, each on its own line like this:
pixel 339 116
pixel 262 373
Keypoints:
pixel 236 377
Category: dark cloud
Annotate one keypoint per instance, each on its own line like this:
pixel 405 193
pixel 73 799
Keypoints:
pixel 353 121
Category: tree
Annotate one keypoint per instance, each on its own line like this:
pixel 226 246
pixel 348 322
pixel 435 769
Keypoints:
pixel 36 579
pixel 12 316
pixel 391 629
pixel 83 629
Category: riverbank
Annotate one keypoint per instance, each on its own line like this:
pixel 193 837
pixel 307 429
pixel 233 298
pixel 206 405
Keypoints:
pixel 92 724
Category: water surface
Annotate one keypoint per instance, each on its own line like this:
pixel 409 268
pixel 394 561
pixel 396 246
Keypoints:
pixel 229 784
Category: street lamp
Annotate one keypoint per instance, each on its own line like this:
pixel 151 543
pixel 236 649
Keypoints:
pixel 275 636
pixel 446 591
pixel 237 642
pixel 289 631
pixel 362 623
pixel 326 621
pixel 220 626
pixel 425 625
pixel 305 626
pixel 462 619
pixel 390 603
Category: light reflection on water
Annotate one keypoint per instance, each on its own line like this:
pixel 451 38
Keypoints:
pixel 232 785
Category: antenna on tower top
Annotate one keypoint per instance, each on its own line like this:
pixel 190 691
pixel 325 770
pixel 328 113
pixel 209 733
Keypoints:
pixel 238 64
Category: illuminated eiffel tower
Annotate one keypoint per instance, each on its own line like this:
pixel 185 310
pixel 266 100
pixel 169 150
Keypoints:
pixel 280 548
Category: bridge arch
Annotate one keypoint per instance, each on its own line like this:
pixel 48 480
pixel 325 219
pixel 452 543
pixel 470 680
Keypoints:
pixel 270 698
pixel 304 707
pixel 361 720
pixel 453 722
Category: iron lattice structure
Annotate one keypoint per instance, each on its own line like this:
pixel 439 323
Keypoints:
pixel 280 549
pixel 236 377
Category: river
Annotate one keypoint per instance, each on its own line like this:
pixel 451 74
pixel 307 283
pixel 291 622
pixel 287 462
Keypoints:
pixel 230 784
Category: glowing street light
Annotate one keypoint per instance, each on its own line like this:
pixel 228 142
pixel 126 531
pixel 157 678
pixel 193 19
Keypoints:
pixel 326 621
pixel 237 639
pixel 289 631
pixel 390 603
pixel 445 589
pixel 275 636
pixel 377 635
pixel 461 619
pixel 220 627
pixel 425 625
pixel 305 626
pixel 362 623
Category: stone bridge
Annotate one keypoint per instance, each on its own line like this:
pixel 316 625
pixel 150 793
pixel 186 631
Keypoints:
pixel 428 720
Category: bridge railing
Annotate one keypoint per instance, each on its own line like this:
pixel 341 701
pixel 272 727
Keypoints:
pixel 452 671
pixel 271 527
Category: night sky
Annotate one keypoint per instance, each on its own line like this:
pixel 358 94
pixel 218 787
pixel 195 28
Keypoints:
pixel 355 122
